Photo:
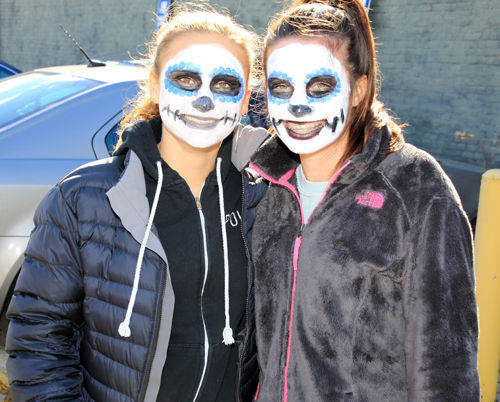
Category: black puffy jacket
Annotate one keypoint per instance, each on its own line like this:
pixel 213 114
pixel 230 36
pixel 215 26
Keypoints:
pixel 75 286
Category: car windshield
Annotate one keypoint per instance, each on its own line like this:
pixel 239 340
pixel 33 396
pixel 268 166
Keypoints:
pixel 25 94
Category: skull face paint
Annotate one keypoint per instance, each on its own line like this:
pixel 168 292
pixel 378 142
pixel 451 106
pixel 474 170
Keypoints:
pixel 202 90
pixel 308 93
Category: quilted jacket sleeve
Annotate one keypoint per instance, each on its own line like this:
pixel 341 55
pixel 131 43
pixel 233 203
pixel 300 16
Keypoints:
pixel 45 311
pixel 440 307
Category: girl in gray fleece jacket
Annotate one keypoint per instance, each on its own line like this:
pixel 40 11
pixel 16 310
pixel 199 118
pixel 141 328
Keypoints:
pixel 363 254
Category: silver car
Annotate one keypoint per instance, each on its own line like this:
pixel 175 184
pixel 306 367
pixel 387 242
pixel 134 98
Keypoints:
pixel 56 119
pixel 52 120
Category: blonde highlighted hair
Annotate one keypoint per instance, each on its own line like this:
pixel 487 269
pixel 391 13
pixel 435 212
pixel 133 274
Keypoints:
pixel 184 20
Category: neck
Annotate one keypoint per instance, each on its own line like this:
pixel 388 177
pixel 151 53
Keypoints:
pixel 192 164
pixel 322 165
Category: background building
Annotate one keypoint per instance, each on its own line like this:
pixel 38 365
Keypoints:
pixel 30 35
pixel 440 59
pixel 441 64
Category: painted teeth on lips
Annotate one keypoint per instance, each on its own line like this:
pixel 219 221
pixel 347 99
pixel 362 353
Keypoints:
pixel 200 121
pixel 304 128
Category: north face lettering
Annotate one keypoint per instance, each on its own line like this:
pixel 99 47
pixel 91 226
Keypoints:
pixel 372 199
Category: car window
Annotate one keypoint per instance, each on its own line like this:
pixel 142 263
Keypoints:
pixel 4 72
pixel 111 139
pixel 25 94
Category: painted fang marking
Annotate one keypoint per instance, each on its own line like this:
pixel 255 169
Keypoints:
pixel 342 115
pixel 278 123
pixel 334 124
pixel 275 125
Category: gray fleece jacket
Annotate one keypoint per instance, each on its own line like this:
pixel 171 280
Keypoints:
pixel 372 299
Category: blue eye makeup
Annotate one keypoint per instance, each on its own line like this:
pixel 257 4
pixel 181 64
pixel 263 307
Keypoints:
pixel 226 85
pixel 280 87
pixel 322 85
pixel 183 79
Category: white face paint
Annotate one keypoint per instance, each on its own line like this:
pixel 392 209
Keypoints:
pixel 201 94
pixel 308 92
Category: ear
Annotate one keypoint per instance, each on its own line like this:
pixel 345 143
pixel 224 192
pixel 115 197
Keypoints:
pixel 360 90
pixel 246 99
pixel 154 89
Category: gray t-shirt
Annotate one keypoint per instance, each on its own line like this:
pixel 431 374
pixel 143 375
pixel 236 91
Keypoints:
pixel 310 192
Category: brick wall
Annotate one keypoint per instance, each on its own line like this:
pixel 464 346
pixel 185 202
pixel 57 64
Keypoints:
pixel 255 13
pixel 441 65
pixel 440 58
pixel 30 36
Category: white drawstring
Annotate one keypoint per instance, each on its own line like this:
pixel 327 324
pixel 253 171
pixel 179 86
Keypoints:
pixel 124 328
pixel 227 334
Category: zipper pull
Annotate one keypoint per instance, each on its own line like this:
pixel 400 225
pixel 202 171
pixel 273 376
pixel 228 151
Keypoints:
pixel 302 227
pixel 198 203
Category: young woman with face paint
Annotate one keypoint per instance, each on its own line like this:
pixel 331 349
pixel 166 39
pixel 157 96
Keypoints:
pixel 137 283
pixel 363 254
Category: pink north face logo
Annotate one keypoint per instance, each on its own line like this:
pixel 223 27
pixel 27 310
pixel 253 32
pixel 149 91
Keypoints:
pixel 372 199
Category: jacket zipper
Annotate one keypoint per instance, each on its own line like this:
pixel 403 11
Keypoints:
pixel 156 334
pixel 250 280
pixel 296 248
pixel 202 220
pixel 158 315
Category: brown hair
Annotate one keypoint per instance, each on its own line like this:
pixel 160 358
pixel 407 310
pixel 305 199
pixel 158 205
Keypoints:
pixel 338 23
pixel 182 22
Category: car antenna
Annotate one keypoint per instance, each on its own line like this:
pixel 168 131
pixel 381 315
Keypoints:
pixel 91 62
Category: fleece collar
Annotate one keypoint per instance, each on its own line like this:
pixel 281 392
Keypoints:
pixel 275 160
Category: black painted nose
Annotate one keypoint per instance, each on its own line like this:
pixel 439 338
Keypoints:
pixel 299 110
pixel 203 104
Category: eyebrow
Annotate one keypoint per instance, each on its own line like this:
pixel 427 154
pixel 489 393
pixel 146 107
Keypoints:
pixel 225 71
pixel 188 72
pixel 226 77
pixel 281 76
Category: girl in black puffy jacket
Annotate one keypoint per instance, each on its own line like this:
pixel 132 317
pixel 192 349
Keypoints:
pixel 137 283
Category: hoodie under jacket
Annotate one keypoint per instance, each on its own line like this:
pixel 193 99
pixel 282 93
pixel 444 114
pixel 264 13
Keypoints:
pixel 77 286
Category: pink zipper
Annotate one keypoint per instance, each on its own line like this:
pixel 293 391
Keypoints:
pixel 298 241
pixel 296 247
pixel 257 393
